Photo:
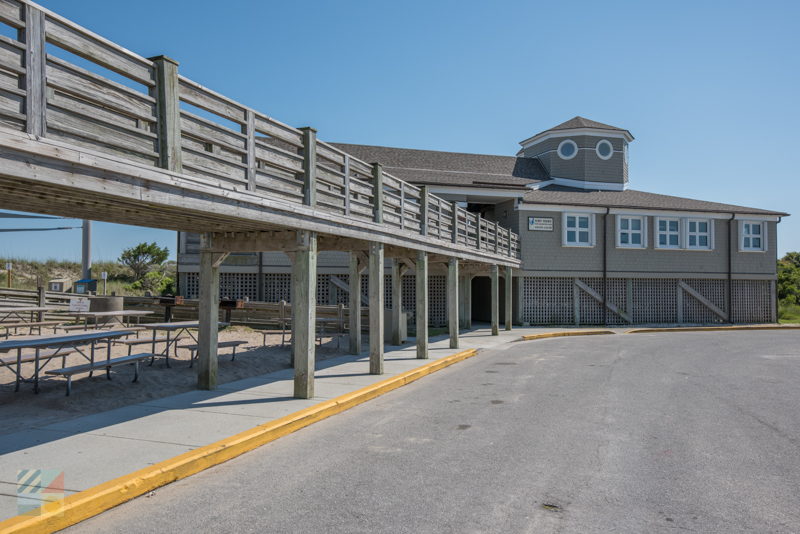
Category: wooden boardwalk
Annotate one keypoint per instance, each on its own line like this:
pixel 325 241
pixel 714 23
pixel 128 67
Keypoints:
pixel 91 130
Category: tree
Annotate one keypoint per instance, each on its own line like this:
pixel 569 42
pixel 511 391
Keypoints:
pixel 789 278
pixel 141 258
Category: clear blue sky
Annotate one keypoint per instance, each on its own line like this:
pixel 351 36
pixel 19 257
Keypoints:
pixel 710 90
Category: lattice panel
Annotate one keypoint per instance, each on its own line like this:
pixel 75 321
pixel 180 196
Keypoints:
pixel 695 311
pixel 547 301
pixel 387 291
pixel 410 295
pixel 437 300
pixel 190 285
pixel 752 301
pixel 340 296
pixel 654 300
pixel 238 286
pixel 323 289
pixel 277 287
pixel 591 310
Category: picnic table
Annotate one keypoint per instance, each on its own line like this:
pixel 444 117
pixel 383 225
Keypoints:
pixel 60 343
pixel 110 317
pixel 14 313
pixel 173 333
pixel 14 317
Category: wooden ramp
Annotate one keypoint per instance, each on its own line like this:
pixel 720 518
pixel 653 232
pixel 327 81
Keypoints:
pixel 91 130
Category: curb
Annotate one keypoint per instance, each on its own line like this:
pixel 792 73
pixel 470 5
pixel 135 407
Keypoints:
pixel 709 329
pixel 568 333
pixel 85 504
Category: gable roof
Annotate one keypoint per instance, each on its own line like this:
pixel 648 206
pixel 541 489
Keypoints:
pixel 430 167
pixel 630 198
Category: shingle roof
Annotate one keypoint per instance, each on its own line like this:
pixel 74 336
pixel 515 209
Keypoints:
pixel 430 167
pixel 633 199
pixel 580 122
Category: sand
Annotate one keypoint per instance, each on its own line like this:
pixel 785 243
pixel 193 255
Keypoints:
pixel 26 410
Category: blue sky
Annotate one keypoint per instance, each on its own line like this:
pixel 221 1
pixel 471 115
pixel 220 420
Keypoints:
pixel 709 90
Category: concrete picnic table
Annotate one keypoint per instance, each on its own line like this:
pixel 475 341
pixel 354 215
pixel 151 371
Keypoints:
pixel 177 328
pixel 58 342
pixel 116 315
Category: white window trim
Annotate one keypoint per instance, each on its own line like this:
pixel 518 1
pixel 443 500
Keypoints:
pixel 597 149
pixel 564 242
pixel 565 142
pixel 642 218
pixel 710 222
pixel 657 233
pixel 742 236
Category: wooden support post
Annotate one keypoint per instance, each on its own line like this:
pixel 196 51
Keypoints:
pixel 376 306
pixel 249 129
pixel 576 302
pixel 166 93
pixel 209 318
pixel 377 183
pixel 397 301
pixel 455 222
pixel 309 166
pixel 304 313
pixel 347 193
pixel 35 60
pixel 41 301
pixel 509 296
pixel 467 301
pixel 452 301
pixel 422 304
pixel 424 207
pixel 496 238
pixel 355 304
pixel 495 298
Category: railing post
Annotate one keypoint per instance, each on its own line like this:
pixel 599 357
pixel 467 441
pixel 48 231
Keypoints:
pixel 377 192
pixel 402 205
pixel 478 222
pixel 168 110
pixel 35 65
pixel 496 238
pixel 455 222
pixel 508 232
pixel 347 185
pixel 309 166
pixel 424 206
pixel 249 129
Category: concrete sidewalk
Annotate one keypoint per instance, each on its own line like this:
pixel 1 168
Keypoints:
pixel 93 449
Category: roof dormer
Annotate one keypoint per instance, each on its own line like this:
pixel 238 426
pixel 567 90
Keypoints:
pixel 582 153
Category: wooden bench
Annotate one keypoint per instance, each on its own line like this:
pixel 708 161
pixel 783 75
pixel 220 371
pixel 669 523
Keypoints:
pixel 220 345
pixel 38 324
pixel 68 372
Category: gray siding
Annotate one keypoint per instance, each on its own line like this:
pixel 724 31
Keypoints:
pixel 543 252
pixel 586 165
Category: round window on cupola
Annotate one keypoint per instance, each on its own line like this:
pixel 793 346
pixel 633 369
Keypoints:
pixel 567 149
pixel 604 149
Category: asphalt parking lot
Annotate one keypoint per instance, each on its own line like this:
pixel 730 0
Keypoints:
pixel 695 432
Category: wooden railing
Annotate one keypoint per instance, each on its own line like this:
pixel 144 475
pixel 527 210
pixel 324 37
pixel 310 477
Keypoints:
pixel 63 82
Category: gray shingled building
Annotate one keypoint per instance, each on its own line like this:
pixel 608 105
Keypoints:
pixel 593 250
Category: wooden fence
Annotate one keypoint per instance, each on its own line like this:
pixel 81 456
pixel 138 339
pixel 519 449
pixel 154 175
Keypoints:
pixel 61 81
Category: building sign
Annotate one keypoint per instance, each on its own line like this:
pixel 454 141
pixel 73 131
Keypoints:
pixel 540 224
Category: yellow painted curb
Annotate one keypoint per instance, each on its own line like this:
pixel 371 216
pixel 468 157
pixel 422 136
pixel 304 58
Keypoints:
pixel 567 333
pixel 709 329
pixel 85 504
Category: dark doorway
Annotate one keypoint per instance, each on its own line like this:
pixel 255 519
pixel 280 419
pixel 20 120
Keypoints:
pixel 482 299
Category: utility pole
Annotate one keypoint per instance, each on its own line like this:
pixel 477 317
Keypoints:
pixel 86 256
